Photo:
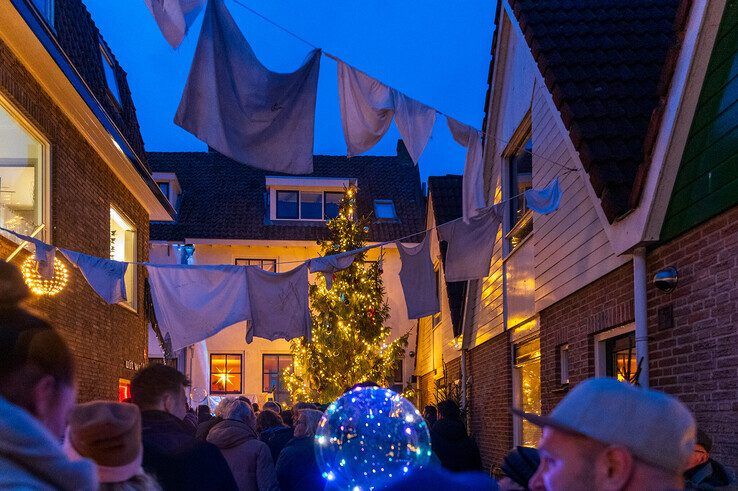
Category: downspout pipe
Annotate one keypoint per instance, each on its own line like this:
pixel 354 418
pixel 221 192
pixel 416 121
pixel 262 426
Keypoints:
pixel 640 304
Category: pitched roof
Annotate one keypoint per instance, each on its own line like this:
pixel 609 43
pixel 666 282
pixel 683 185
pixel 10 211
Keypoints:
pixel 223 199
pixel 445 197
pixel 80 39
pixel 608 65
pixel 445 192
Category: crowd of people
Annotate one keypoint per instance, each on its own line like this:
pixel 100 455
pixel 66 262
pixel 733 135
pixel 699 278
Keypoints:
pixel 603 435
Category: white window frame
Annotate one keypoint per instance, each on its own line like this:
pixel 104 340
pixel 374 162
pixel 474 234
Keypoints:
pixel 299 192
pixel 174 188
pixel 45 233
pixel 131 303
pixel 599 346
pixel 243 261
pixel 518 139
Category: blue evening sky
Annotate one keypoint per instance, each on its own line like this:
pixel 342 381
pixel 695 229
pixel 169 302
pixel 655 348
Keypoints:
pixel 436 51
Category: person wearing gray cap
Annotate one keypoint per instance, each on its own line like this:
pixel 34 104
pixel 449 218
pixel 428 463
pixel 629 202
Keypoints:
pixel 610 435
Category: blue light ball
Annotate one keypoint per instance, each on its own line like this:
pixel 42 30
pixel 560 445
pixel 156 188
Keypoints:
pixel 369 438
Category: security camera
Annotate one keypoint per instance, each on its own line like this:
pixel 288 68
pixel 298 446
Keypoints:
pixel 666 279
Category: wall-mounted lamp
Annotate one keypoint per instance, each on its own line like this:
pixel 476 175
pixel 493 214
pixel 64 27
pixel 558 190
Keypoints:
pixel 666 279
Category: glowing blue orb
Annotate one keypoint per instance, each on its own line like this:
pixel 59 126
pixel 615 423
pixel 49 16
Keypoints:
pixel 369 437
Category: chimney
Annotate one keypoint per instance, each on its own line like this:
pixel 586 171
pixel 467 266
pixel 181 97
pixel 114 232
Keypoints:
pixel 402 152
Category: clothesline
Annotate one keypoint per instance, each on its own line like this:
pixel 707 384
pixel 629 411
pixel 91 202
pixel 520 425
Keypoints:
pixel 336 58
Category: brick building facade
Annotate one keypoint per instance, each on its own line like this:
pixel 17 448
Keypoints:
pixel 108 341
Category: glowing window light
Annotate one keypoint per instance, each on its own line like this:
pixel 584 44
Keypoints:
pixel 39 285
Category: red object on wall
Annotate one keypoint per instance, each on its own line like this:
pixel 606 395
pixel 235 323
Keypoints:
pixel 124 390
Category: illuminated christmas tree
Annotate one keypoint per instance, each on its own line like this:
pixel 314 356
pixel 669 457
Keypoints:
pixel 350 338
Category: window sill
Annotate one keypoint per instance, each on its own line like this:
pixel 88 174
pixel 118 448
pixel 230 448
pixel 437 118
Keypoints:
pixel 561 389
pixel 128 307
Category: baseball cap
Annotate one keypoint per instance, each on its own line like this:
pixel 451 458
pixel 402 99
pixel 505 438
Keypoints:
pixel 656 427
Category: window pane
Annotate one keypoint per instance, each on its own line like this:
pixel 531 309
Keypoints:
pixel 285 361
pixel 384 209
pixel 21 172
pixel 530 390
pixel 123 247
pixel 164 186
pixel 521 179
pixel 287 205
pixel 110 77
pixel 269 265
pixel 332 203
pixel 270 363
pixel 311 206
pixel 621 357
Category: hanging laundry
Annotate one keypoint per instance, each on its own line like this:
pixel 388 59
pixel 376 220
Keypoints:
pixel 174 17
pixel 330 264
pixel 193 303
pixel 415 122
pixel 418 279
pixel 242 109
pixel 279 304
pixel 470 245
pixel 472 190
pixel 367 109
pixel 546 200
pixel 44 253
pixel 105 276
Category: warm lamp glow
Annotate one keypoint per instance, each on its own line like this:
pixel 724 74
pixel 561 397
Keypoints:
pixel 44 286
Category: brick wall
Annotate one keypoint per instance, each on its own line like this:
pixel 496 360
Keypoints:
pixel 83 187
pixel 697 358
pixel 602 305
pixel 490 398
pixel 427 382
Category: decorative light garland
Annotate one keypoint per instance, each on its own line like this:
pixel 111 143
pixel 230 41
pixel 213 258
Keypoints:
pixel 47 287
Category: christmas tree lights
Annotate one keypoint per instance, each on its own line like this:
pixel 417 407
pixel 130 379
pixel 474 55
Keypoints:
pixel 350 338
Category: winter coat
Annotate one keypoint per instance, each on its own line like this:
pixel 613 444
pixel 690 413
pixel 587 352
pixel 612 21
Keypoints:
pixel 456 450
pixel 204 428
pixel 710 475
pixel 249 459
pixel 177 460
pixel 276 437
pixel 31 458
pixel 432 477
pixel 297 469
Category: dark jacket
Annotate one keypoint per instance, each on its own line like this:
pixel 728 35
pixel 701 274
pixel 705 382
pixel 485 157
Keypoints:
pixel 710 475
pixel 276 437
pixel 456 450
pixel 204 428
pixel 177 460
pixel 297 469
pixel 249 459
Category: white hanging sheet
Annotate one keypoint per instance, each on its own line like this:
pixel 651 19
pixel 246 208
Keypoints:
pixel 470 245
pixel 473 180
pixel 331 264
pixel 174 17
pixel 418 279
pixel 105 276
pixel 193 303
pixel 242 109
pixel 279 304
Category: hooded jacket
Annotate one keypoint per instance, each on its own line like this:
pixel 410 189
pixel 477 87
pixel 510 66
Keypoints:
pixel 276 437
pixel 710 475
pixel 30 457
pixel 456 450
pixel 177 460
pixel 249 458
pixel 297 469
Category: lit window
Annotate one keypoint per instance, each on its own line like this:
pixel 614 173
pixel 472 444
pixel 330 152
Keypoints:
pixel 311 205
pixel 287 208
pixel 225 373
pixel 123 247
pixel 520 179
pixel 46 8
pixel 384 209
pixel 332 204
pixel 124 389
pixel 620 357
pixel 23 174
pixel 273 369
pixel 265 264
pixel 527 389
pixel 398 378
pixel 110 77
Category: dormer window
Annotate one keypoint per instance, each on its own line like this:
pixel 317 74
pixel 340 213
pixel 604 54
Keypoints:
pixel 110 77
pixel 169 186
pixel 384 209
pixel 309 199
pixel 164 186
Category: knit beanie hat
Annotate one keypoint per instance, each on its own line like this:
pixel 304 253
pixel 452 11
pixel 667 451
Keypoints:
pixel 110 434
pixel 520 464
